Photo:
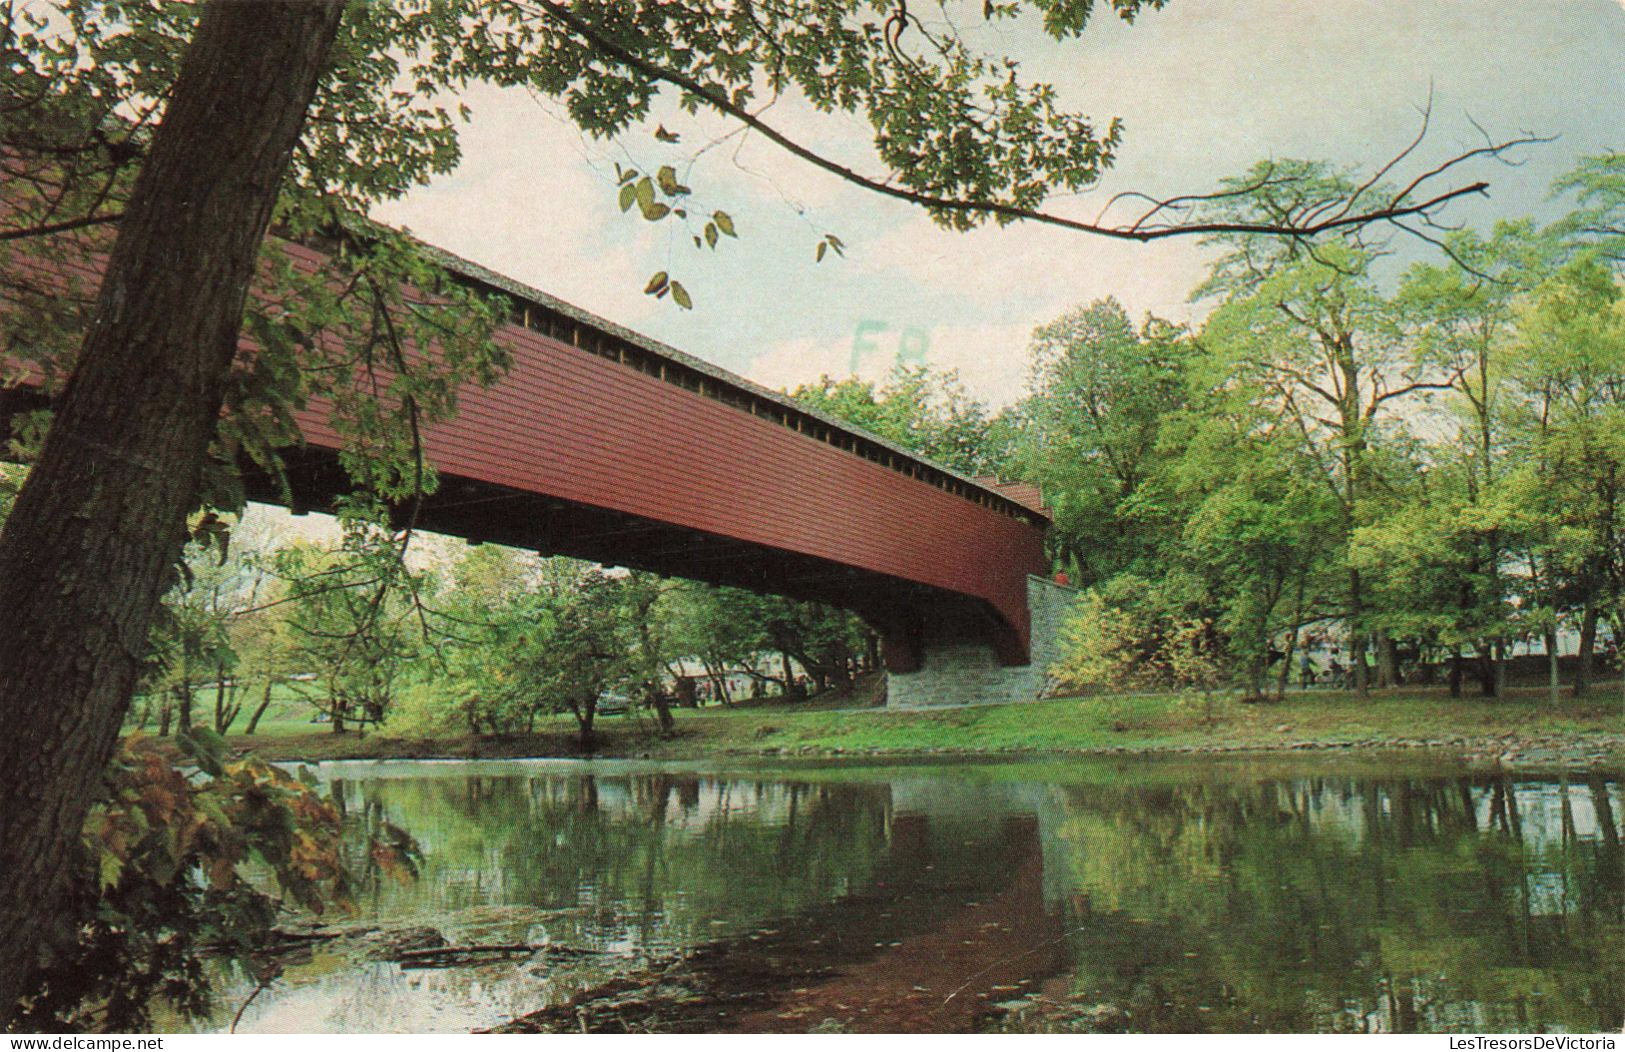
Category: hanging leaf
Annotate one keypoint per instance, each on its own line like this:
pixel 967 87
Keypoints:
pixel 666 136
pixel 710 235
pixel 109 870
pixel 680 294
pixel 657 284
pixel 655 212
pixel 724 223
pixel 818 255
pixel 629 193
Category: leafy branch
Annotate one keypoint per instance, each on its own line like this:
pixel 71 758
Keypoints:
pixel 1325 217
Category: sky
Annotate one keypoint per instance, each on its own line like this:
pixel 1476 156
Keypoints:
pixel 1205 88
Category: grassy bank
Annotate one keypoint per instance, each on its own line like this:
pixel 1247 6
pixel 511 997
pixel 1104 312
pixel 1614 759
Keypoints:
pixel 1525 726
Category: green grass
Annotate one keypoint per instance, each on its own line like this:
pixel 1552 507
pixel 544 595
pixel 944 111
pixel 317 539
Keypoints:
pixel 1135 722
pixel 1146 722
pixel 289 713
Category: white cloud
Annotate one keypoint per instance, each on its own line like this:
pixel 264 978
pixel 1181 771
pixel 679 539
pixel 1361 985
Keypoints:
pixel 1205 89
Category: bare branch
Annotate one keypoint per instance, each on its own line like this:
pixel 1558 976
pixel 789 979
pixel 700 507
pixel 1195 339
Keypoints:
pixel 1398 206
pixel 19 233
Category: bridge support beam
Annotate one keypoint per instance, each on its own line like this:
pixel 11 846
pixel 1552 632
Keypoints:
pixel 951 659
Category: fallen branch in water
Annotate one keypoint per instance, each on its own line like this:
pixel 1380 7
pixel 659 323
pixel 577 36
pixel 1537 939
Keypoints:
pixel 316 935
pixel 450 956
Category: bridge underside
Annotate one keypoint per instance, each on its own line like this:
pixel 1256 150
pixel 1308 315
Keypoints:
pixel 901 611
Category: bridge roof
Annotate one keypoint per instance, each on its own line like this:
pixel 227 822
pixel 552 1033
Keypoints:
pixel 1020 500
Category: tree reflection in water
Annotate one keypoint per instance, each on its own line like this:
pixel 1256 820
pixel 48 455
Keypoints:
pixel 1140 897
pixel 1334 904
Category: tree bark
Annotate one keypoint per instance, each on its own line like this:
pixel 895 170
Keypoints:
pixel 1486 668
pixel 662 706
pixel 95 532
pixel 1387 661
pixel 265 703
pixel 584 714
pixel 227 706
pixel 1588 646
pixel 1552 675
pixel 183 696
pixel 1357 667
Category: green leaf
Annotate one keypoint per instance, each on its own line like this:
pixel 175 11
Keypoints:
pixel 667 178
pixel 818 256
pixel 629 193
pixel 645 194
pixel 110 869
pixel 724 223
pixel 710 235
pixel 655 212
pixel 657 284
pixel 680 294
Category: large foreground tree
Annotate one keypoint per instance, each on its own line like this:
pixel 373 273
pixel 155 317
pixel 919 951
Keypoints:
pixel 99 525
pixel 94 534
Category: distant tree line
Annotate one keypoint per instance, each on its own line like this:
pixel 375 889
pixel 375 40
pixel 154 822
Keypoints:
pixel 1420 462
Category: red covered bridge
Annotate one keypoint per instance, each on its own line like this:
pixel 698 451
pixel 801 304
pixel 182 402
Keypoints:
pixel 602 444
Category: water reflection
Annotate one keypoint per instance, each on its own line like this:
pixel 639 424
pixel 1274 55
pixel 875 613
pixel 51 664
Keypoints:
pixel 1137 896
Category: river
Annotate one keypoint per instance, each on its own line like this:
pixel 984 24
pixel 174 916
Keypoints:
pixel 1129 895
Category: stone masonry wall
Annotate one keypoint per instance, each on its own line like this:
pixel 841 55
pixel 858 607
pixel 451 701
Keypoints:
pixel 961 670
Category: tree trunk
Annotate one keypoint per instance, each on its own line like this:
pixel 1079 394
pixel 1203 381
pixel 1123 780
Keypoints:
pixel 1588 646
pixel 662 707
pixel 1284 675
pixel 1361 674
pixel 1552 678
pixel 1257 669
pixel 790 689
pixel 1292 641
pixel 265 703
pixel 1486 668
pixel 97 528
pixel 1358 669
pixel 226 705
pixel 1387 661
pixel 584 714
pixel 1455 671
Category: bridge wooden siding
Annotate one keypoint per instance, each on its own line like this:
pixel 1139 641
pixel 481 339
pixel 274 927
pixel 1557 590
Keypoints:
pixel 582 451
